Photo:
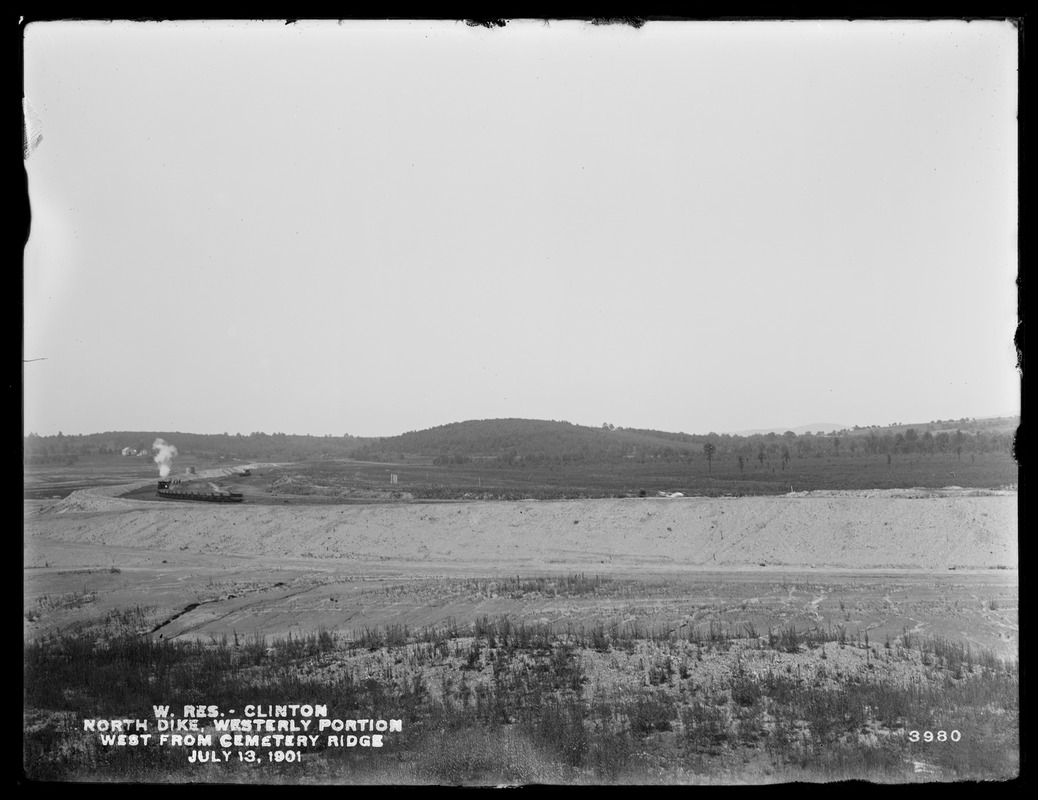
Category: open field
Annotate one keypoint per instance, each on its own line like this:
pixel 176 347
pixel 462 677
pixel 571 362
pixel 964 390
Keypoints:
pixel 52 482
pixel 341 480
pixel 688 640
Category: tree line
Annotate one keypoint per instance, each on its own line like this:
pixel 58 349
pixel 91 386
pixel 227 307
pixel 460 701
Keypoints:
pixel 511 442
pixel 257 446
pixel 531 442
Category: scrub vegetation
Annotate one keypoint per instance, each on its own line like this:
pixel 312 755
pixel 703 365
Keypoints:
pixel 503 702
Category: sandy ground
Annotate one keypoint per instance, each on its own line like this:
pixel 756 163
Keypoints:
pixel 941 563
pixel 938 562
pixel 877 565
pixel 915 529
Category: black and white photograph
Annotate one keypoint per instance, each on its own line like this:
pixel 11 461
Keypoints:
pixel 521 402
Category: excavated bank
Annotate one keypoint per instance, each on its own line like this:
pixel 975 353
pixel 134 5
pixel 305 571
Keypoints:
pixel 914 529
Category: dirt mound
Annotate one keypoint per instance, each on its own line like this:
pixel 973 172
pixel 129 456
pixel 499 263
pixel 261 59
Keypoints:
pixel 868 530
pixel 914 493
pixel 111 498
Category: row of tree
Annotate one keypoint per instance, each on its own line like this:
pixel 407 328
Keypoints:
pixel 533 443
pixel 257 446
pixel 512 442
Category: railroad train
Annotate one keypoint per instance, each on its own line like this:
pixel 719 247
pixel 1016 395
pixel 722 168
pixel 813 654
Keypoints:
pixel 175 490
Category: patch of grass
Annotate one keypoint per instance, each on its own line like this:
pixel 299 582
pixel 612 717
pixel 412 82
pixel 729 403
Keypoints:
pixel 64 601
pixel 623 477
pixel 108 571
pixel 502 702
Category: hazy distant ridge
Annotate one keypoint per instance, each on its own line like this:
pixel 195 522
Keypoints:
pixel 513 439
pixel 814 427
pixel 531 440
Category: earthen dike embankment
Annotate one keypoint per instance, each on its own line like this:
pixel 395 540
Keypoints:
pixel 876 530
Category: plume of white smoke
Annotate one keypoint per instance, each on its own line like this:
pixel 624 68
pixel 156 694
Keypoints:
pixel 164 458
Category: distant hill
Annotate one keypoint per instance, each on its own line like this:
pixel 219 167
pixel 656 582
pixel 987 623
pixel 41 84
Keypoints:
pixel 965 424
pixel 531 439
pixel 814 427
pixel 971 425
pixel 536 441
pixel 258 445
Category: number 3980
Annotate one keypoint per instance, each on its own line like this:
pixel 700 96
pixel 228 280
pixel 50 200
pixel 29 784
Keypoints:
pixel 934 736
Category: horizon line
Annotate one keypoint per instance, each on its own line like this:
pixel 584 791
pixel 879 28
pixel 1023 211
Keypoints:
pixel 741 432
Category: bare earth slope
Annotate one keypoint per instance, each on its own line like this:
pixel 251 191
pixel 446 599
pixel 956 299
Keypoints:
pixel 906 530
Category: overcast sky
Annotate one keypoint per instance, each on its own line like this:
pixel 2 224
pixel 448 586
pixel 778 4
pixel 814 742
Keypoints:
pixel 370 228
